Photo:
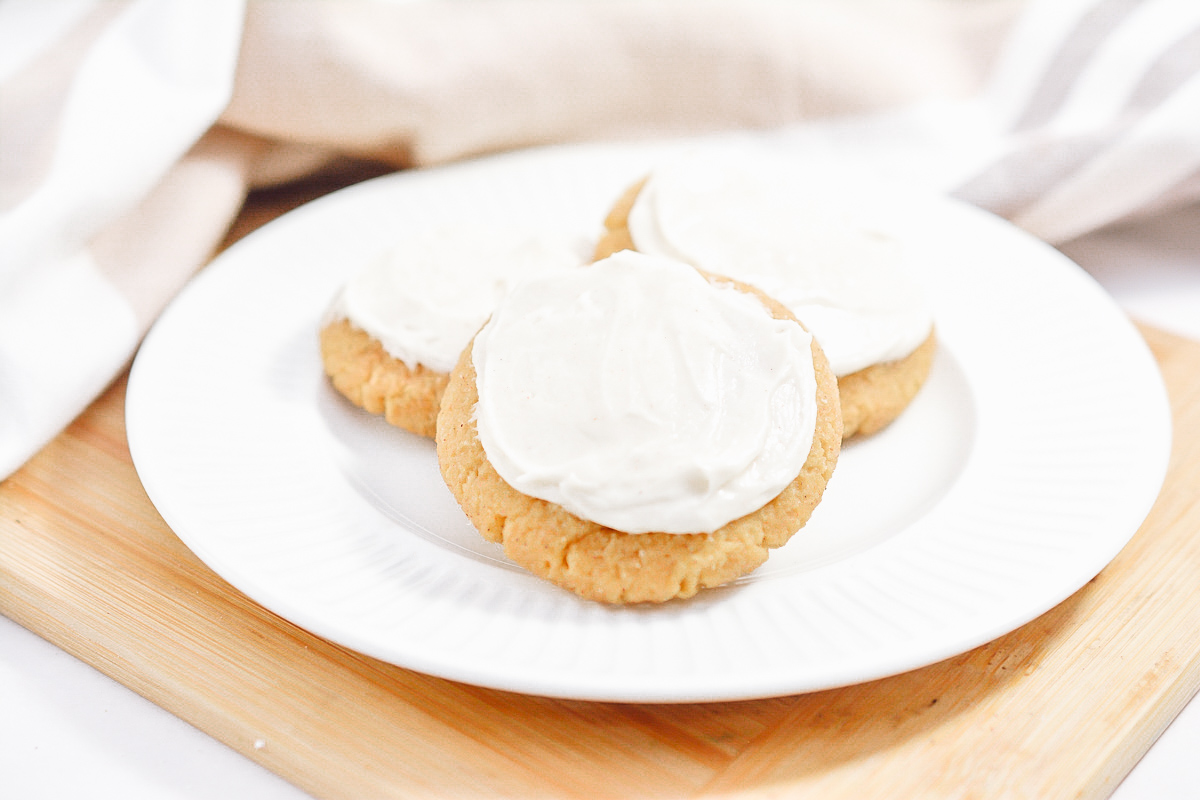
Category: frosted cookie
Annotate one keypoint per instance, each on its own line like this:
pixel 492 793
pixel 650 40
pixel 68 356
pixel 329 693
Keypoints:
pixel 810 248
pixel 397 327
pixel 636 431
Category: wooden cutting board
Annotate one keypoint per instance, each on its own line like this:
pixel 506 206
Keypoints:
pixel 1062 707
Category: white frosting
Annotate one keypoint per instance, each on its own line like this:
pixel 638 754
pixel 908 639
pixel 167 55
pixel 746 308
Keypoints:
pixel 638 395
pixel 810 247
pixel 428 294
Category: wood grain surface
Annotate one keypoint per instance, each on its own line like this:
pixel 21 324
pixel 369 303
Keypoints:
pixel 1062 707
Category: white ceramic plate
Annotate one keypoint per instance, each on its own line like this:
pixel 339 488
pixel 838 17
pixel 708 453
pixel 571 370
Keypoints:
pixel 1025 464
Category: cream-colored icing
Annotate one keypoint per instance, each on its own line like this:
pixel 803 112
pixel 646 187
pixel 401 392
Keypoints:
pixel 639 395
pixel 808 245
pixel 427 294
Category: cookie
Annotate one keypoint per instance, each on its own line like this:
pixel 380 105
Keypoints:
pixel 603 563
pixel 873 324
pixel 366 375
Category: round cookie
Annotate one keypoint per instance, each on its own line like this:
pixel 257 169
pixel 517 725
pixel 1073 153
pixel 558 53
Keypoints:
pixel 871 397
pixel 607 565
pixel 363 372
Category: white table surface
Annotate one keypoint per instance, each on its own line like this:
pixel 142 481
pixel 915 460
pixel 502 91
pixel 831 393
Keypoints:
pixel 67 730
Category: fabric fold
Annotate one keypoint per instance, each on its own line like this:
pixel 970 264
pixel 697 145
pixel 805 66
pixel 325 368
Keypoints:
pixel 108 230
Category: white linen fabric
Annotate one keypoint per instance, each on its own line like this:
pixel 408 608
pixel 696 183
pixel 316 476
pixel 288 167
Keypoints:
pixel 131 131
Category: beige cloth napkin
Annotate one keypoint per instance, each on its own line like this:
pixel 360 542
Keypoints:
pixel 130 132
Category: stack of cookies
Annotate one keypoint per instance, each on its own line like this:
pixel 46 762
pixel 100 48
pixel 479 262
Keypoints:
pixel 649 415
